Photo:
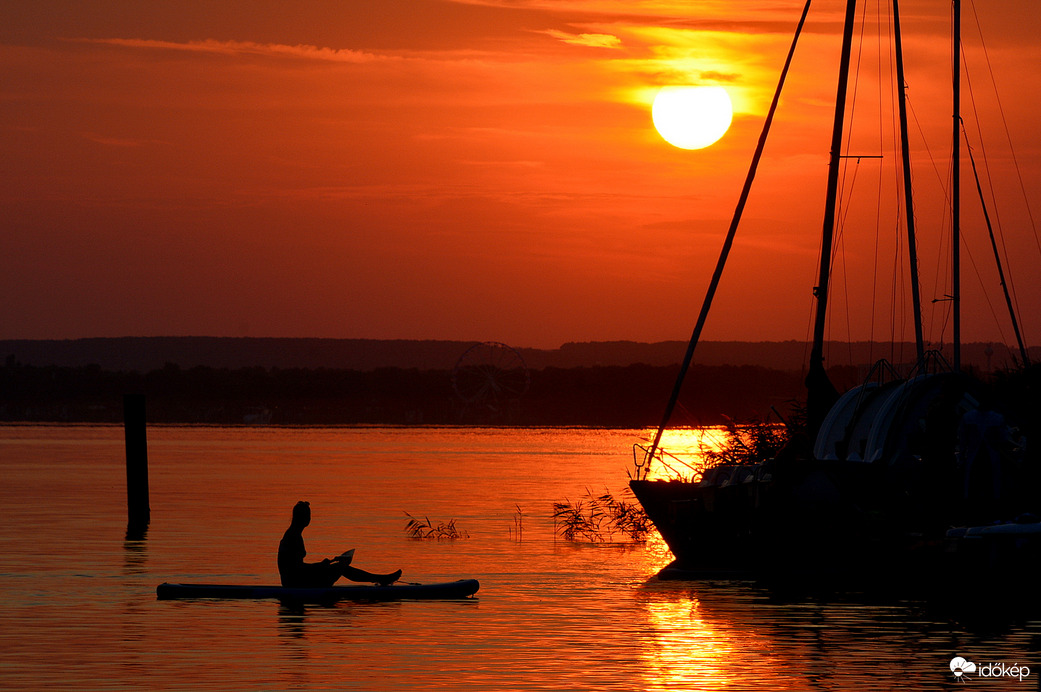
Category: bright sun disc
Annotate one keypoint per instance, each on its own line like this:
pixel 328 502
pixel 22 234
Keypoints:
pixel 692 117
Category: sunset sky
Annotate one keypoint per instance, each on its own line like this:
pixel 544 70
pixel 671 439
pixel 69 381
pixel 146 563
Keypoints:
pixel 485 169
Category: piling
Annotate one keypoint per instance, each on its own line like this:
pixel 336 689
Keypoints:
pixel 138 512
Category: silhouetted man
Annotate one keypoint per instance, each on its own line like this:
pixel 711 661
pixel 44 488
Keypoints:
pixel 297 573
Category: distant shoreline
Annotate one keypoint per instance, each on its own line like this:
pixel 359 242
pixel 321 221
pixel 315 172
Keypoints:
pixel 234 382
pixel 143 354
pixel 343 426
pixel 602 396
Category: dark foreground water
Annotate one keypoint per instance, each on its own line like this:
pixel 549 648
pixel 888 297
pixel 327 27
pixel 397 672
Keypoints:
pixel 80 609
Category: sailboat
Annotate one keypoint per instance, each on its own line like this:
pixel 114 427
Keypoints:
pixel 885 480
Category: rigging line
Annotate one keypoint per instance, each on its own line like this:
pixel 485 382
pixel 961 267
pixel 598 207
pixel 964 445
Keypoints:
pixel 877 272
pixel 887 95
pixel 912 222
pixel 853 114
pixel 932 159
pixel 986 297
pixel 729 241
pixel 1008 287
pixel 878 221
pixel 997 258
pixel 944 187
pixel 1004 122
pixel 878 197
pixel 986 165
pixel 881 139
pixel 842 207
pixel 893 293
pixel 840 252
pixel 940 275
pixel 956 232
pixel 904 197
pixel 874 268
pixel 898 310
pixel 1009 291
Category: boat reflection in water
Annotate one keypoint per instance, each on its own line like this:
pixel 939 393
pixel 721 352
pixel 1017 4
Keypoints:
pixel 734 635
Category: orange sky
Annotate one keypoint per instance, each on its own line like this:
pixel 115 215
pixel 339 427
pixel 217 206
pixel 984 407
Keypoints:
pixel 482 169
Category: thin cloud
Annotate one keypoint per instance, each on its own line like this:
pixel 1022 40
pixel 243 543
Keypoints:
pixel 215 47
pixel 591 40
pixel 768 15
pixel 715 76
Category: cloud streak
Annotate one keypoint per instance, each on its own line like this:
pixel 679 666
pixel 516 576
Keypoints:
pixel 211 46
pixel 591 40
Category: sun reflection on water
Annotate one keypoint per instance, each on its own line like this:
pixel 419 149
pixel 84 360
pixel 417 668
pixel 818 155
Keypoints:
pixel 720 636
pixel 684 451
pixel 687 650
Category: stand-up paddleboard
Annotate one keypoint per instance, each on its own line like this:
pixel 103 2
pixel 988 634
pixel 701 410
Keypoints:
pixel 360 592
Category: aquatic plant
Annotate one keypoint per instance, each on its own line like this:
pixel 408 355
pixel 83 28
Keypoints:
pixel 517 532
pixel 421 530
pixel 748 443
pixel 600 519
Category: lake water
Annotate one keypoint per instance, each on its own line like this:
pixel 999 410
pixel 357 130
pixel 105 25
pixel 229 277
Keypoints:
pixel 80 608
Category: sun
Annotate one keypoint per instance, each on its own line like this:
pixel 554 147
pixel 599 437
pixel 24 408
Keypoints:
pixel 692 117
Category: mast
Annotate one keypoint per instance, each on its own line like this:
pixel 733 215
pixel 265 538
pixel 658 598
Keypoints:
pixel 955 190
pixel 821 393
pixel 728 242
pixel 912 253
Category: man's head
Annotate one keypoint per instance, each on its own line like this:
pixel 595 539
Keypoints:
pixel 302 513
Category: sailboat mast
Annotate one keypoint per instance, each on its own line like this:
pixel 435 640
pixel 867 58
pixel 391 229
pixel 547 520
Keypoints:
pixel 820 393
pixel 955 189
pixel 912 252
pixel 695 337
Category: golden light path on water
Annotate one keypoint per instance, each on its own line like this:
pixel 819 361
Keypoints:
pixel 684 449
pixel 688 650
pixel 550 615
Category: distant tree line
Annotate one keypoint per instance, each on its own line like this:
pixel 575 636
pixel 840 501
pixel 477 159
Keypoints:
pixel 609 396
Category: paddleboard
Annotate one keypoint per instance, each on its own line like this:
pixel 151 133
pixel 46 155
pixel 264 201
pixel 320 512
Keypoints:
pixel 361 592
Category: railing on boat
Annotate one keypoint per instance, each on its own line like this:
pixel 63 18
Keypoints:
pixel 642 460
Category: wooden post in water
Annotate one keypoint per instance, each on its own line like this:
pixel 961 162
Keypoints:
pixel 138 511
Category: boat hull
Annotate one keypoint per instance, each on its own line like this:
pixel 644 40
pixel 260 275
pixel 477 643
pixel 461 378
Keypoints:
pixel 446 590
pixel 807 520
pixel 709 530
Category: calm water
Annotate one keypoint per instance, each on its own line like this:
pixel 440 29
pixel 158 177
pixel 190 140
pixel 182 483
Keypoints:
pixel 80 609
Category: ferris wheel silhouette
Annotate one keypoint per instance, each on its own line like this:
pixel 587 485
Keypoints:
pixel 490 373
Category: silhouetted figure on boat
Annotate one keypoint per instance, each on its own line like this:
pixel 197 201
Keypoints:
pixel 297 573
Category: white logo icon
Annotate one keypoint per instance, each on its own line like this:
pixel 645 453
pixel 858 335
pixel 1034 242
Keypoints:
pixel 959 666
